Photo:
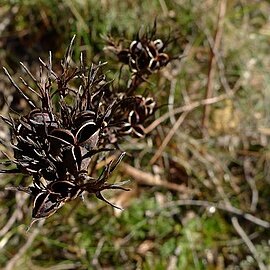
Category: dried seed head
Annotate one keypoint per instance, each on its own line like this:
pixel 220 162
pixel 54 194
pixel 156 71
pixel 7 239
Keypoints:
pixel 144 55
pixel 54 143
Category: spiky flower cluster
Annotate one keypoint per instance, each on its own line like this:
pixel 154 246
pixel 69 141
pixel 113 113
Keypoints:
pixel 75 117
pixel 144 55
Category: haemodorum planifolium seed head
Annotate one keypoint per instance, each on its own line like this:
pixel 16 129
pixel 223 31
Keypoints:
pixel 144 54
pixel 55 142
pixel 74 115
pixel 129 118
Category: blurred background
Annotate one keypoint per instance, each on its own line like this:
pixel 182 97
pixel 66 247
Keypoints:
pixel 200 179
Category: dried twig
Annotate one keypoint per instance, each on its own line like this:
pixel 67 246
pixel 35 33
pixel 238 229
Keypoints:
pixel 60 266
pixel 221 206
pixel 249 243
pixel 252 184
pixel 149 179
pixel 173 78
pixel 169 136
pixel 95 260
pixel 14 215
pixel 188 107
pixel 212 64
pixel 171 100
pixel 22 250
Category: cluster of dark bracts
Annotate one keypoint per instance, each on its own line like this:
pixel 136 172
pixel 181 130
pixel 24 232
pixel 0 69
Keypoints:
pixel 56 141
pixel 129 118
pixel 144 55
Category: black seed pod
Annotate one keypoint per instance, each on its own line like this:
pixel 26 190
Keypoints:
pixel 55 146
pixel 55 143
pixel 144 55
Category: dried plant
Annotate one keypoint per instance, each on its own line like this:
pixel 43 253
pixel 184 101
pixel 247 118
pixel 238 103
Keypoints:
pixel 55 142
pixel 144 55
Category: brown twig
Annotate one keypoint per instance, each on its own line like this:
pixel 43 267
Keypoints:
pixel 188 107
pixel 149 179
pixel 169 136
pixel 212 64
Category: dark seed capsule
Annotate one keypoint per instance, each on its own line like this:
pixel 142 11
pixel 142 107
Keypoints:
pixel 46 204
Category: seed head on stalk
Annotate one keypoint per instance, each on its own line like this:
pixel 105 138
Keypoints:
pixel 54 143
pixel 74 115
